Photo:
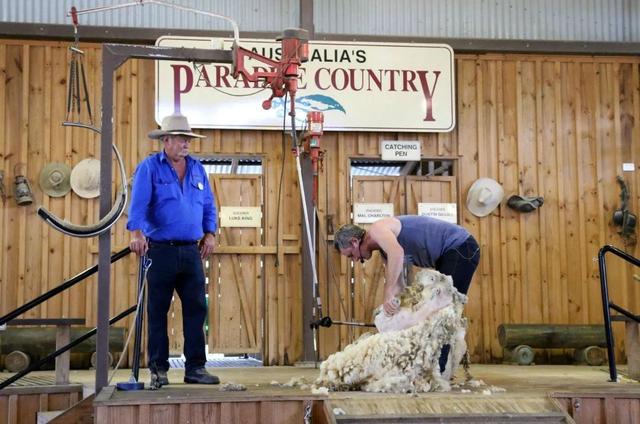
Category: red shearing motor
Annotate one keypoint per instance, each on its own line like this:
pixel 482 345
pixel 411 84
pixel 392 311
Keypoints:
pixel 283 74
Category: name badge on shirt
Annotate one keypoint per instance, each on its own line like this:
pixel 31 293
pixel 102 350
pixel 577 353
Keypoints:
pixel 200 186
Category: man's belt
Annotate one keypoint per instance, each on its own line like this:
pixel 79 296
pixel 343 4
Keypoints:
pixel 173 242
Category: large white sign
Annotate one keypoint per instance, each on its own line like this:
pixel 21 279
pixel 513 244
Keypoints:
pixel 400 150
pixel 368 213
pixel 358 87
pixel 444 211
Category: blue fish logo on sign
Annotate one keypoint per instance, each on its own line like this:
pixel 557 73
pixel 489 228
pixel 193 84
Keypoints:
pixel 304 104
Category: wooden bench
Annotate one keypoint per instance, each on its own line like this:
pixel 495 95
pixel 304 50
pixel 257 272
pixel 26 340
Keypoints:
pixel 519 340
pixel 63 338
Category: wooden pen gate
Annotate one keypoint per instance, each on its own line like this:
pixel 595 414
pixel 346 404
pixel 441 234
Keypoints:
pixel 235 272
pixel 404 193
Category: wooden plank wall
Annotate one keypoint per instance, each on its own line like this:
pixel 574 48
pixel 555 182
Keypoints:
pixel 556 126
pixel 36 258
pixel 553 126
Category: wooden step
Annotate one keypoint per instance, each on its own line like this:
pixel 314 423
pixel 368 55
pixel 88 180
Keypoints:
pixel 80 413
pixel 441 408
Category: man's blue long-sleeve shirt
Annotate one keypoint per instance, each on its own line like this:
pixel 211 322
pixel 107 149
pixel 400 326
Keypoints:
pixel 166 210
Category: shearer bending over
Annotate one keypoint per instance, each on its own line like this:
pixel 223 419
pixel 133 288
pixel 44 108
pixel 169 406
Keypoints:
pixel 426 242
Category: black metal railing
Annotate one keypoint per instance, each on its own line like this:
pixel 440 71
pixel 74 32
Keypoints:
pixel 607 305
pixel 48 295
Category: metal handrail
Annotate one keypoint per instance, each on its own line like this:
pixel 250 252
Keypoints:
pixel 49 294
pixel 607 305
pixel 52 356
pixel 62 287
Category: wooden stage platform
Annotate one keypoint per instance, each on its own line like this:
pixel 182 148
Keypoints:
pixel 511 393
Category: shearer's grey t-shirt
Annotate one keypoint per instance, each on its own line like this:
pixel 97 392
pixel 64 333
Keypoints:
pixel 426 239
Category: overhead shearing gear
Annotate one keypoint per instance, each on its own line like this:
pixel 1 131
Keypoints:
pixel 77 89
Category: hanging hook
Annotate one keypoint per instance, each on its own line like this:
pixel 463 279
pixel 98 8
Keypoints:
pixel 76 91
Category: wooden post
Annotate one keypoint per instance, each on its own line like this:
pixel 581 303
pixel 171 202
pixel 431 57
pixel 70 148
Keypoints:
pixel 632 346
pixel 63 337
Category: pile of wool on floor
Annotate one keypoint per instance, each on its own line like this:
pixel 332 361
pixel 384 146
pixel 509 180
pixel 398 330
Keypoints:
pixel 403 356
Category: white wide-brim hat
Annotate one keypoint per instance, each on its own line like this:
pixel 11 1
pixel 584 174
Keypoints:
pixel 85 178
pixel 484 196
pixel 174 125
pixel 55 179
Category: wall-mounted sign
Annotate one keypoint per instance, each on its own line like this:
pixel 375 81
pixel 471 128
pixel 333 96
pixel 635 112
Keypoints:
pixel 367 213
pixel 240 216
pixel 444 211
pixel 400 150
pixel 358 86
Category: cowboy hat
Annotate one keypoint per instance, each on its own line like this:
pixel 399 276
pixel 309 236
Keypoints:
pixel 524 204
pixel 484 196
pixel 55 179
pixel 174 125
pixel 85 178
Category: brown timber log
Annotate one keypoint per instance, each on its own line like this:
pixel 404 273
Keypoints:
pixel 41 341
pixel 551 335
pixel 15 361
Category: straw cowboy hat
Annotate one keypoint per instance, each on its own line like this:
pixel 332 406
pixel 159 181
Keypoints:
pixel 55 179
pixel 85 178
pixel 174 125
pixel 484 196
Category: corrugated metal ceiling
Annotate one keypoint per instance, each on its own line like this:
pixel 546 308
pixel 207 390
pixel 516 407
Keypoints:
pixel 566 20
pixel 251 15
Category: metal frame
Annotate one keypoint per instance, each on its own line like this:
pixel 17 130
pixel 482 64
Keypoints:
pixel 607 305
pixel 459 45
pixel 113 56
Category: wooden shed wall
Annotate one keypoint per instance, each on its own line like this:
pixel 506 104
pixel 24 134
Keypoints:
pixel 555 126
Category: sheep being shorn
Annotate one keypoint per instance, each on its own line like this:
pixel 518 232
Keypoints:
pixel 403 356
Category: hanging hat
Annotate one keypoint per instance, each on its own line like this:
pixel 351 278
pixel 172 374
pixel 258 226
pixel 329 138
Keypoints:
pixel 484 196
pixel 55 179
pixel 524 204
pixel 85 178
pixel 174 125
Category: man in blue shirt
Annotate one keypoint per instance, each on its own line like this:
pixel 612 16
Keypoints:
pixel 173 219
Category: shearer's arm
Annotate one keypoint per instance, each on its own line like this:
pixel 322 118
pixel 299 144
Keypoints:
pixel 384 237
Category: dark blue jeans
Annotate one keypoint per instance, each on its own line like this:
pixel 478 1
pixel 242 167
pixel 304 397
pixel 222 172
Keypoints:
pixel 460 263
pixel 176 268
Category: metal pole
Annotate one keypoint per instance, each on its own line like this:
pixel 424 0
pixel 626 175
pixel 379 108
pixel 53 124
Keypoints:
pixel 109 65
pixel 139 319
pixel 607 316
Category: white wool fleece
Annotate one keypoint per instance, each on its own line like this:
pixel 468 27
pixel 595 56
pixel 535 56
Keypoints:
pixel 405 360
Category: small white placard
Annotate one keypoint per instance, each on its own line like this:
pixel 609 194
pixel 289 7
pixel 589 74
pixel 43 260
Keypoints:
pixel 240 216
pixel 444 211
pixel 367 213
pixel 400 150
pixel 628 167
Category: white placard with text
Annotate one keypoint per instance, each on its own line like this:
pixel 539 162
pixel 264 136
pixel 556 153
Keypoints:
pixel 400 150
pixel 367 213
pixel 240 216
pixel 444 211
